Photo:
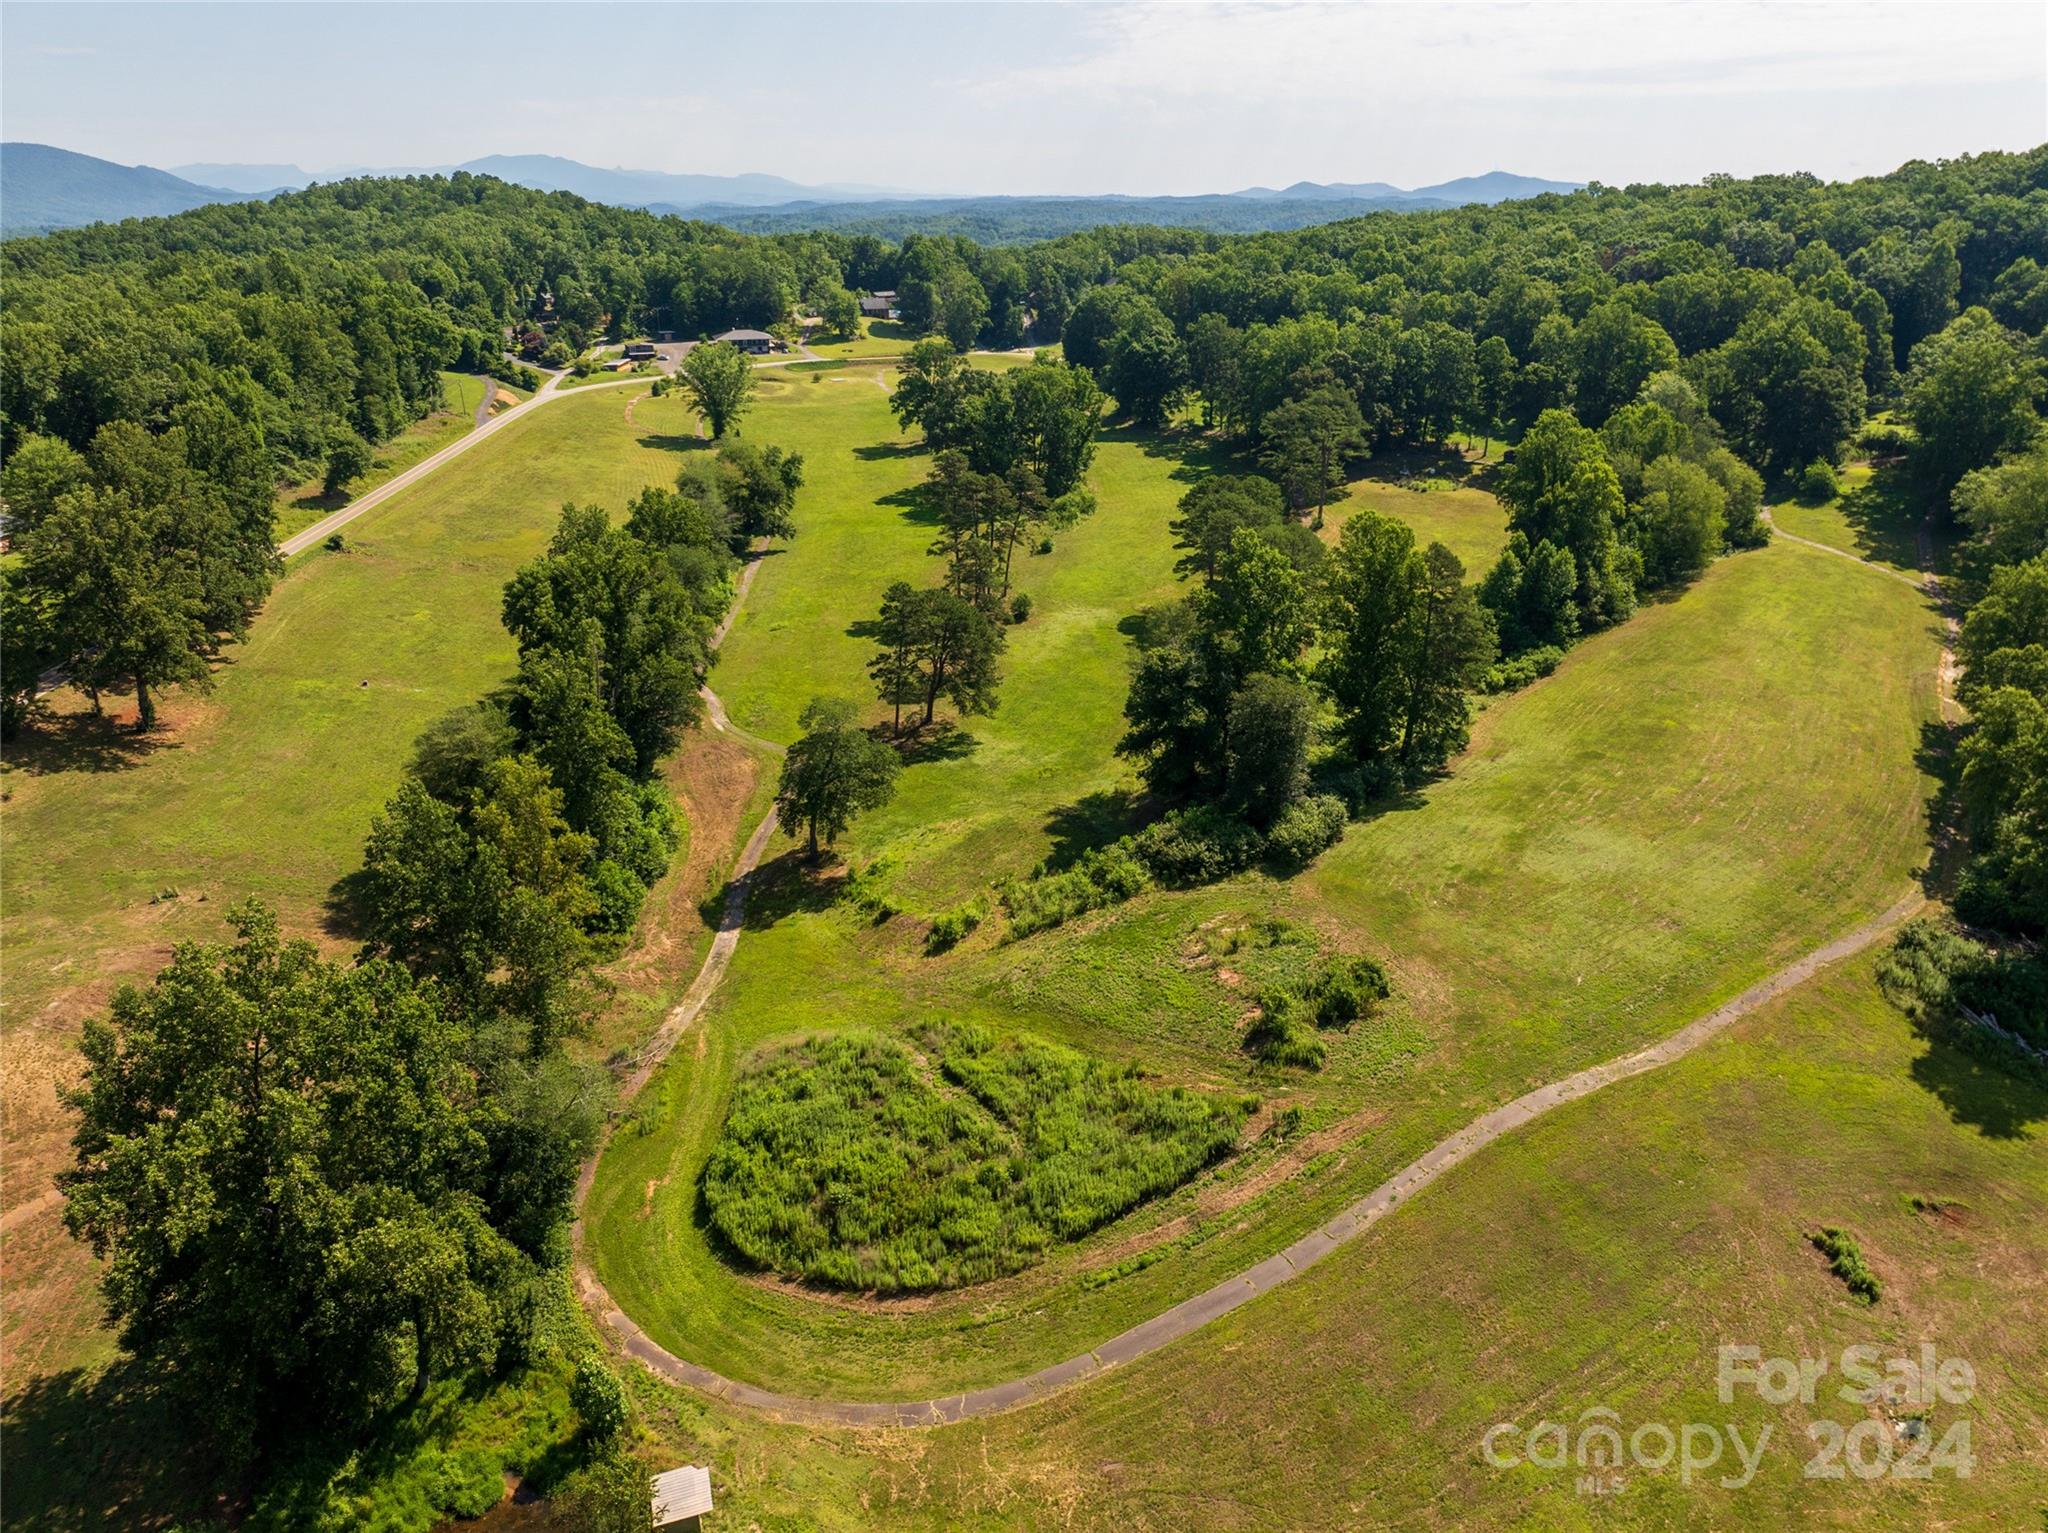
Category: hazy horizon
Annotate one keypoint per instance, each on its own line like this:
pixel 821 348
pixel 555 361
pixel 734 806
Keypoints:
pixel 1022 99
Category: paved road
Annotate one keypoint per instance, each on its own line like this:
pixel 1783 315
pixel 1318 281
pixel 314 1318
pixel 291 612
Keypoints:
pixel 327 525
pixel 1190 1314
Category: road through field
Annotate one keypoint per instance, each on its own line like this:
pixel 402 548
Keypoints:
pixel 1193 1313
pixel 299 542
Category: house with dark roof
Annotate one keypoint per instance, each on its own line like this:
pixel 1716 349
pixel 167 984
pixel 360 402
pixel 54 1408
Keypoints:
pixel 880 306
pixel 754 342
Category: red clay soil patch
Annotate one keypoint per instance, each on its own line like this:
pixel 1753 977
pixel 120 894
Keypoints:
pixel 1215 1200
pixel 713 778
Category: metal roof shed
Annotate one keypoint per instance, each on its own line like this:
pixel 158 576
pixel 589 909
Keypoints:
pixel 680 1497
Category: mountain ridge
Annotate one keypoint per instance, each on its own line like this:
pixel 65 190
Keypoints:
pixel 44 188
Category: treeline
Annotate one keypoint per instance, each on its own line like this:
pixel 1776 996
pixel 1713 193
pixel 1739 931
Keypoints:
pixel 321 1187
pixel 1970 446
pixel 273 335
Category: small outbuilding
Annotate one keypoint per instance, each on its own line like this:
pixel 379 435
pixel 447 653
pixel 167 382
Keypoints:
pixel 681 1497
pixel 754 342
pixel 639 351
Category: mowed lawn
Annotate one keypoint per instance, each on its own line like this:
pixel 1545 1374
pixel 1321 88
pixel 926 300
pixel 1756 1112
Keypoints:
pixel 1692 801
pixel 1450 509
pixel 266 787
pixel 1596 1261
pixel 304 504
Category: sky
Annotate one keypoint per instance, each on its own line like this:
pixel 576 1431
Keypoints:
pixel 1042 98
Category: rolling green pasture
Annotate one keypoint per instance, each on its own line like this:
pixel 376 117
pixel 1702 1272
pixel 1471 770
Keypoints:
pixel 118 847
pixel 304 504
pixel 878 338
pixel 1597 1259
pixel 1452 510
pixel 1689 803
pixel 1875 518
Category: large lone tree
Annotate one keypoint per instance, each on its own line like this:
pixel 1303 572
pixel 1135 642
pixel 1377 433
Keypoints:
pixel 720 382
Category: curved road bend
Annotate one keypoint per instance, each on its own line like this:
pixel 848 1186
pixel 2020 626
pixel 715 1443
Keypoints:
pixel 1190 1314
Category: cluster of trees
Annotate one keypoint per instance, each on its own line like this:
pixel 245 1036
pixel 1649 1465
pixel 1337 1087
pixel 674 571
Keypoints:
pixel 140 556
pixel 321 1186
pixel 1975 443
pixel 1042 418
pixel 1596 517
pixel 1225 704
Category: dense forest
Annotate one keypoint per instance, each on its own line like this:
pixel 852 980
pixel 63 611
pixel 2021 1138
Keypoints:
pixel 163 375
pixel 1661 358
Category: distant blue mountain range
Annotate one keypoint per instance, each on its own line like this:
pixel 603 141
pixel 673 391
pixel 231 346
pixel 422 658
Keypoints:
pixel 44 188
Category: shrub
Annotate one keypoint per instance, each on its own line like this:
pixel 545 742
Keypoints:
pixel 1932 970
pixel 1344 990
pixel 336 543
pixel 599 1399
pixel 466 1483
pixel 1020 607
pixel 949 927
pixel 1307 828
pixel 1885 439
pixel 1106 876
pixel 1819 483
pixel 619 895
pixel 1519 670
pixel 1292 1014
pixel 1277 1038
pixel 1845 1257
pixel 840 1161
pixel 1197 846
pixel 607 1495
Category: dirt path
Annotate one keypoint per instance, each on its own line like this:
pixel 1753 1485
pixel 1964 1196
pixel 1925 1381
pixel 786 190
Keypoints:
pixel 483 406
pixel 1193 1313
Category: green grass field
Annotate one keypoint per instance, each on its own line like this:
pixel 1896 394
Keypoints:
pixel 119 847
pixel 878 338
pixel 1691 802
pixel 1875 517
pixel 1450 508
pixel 304 504
pixel 1596 1260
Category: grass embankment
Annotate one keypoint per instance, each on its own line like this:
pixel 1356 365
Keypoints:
pixel 304 504
pixel 1596 1260
pixel 119 846
pixel 1692 801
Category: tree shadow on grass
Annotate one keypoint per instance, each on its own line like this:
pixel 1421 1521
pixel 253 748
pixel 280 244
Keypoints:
pixel 1979 1084
pixel 915 505
pixel 889 452
pixel 1885 516
pixel 53 743
pixel 1194 454
pixel 675 441
pixel 788 885
pixel 1090 823
pixel 1947 836
pixel 940 740
pixel 344 912
pixel 101 1449
pixel 1398 466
